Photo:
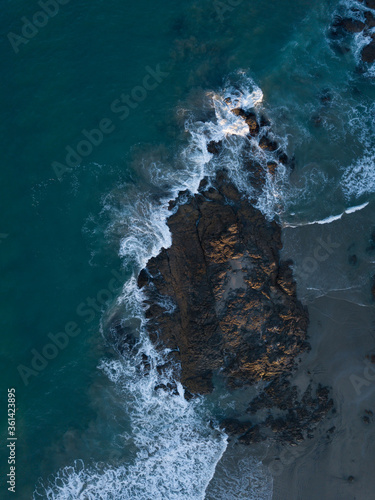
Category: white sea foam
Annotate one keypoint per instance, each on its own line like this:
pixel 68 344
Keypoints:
pixel 331 218
pixel 359 178
pixel 177 448
pixel 245 477
pixel 356 208
pixel 177 453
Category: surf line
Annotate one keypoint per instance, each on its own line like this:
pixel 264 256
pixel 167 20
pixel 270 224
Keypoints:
pixel 331 218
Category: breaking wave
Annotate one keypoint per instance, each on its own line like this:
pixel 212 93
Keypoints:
pixel 178 445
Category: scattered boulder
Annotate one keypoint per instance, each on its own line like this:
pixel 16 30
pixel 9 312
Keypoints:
pixel 342 25
pixel 352 25
pixel 121 336
pixel 272 167
pixel 268 144
pixel 250 119
pixel 353 260
pixel 370 20
pixel 283 158
pixel 368 53
pixel 214 147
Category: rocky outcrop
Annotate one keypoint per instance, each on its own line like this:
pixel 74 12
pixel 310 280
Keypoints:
pixel 350 25
pixel 224 306
pixel 290 418
pixel 236 309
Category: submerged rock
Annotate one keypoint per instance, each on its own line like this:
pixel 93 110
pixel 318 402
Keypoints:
pixel 214 147
pixel 373 286
pixel 370 20
pixel 268 144
pixel 368 53
pixel 351 25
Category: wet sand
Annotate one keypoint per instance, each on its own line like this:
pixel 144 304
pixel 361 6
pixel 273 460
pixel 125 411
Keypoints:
pixel 337 465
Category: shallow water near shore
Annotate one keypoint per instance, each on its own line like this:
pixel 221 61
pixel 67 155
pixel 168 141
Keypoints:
pixel 90 424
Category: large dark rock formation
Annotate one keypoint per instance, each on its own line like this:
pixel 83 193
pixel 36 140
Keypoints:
pixel 225 305
pixel 236 309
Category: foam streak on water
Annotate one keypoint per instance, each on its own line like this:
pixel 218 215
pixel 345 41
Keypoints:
pixel 331 218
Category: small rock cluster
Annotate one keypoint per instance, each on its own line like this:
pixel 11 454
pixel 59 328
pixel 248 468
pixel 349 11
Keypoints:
pixel 343 25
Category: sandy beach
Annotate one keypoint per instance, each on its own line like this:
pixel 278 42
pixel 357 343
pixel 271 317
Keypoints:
pixel 338 463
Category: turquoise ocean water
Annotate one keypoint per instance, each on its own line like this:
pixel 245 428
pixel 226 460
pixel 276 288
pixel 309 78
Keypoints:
pixel 88 422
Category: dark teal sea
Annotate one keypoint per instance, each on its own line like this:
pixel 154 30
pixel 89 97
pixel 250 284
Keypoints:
pixel 74 229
